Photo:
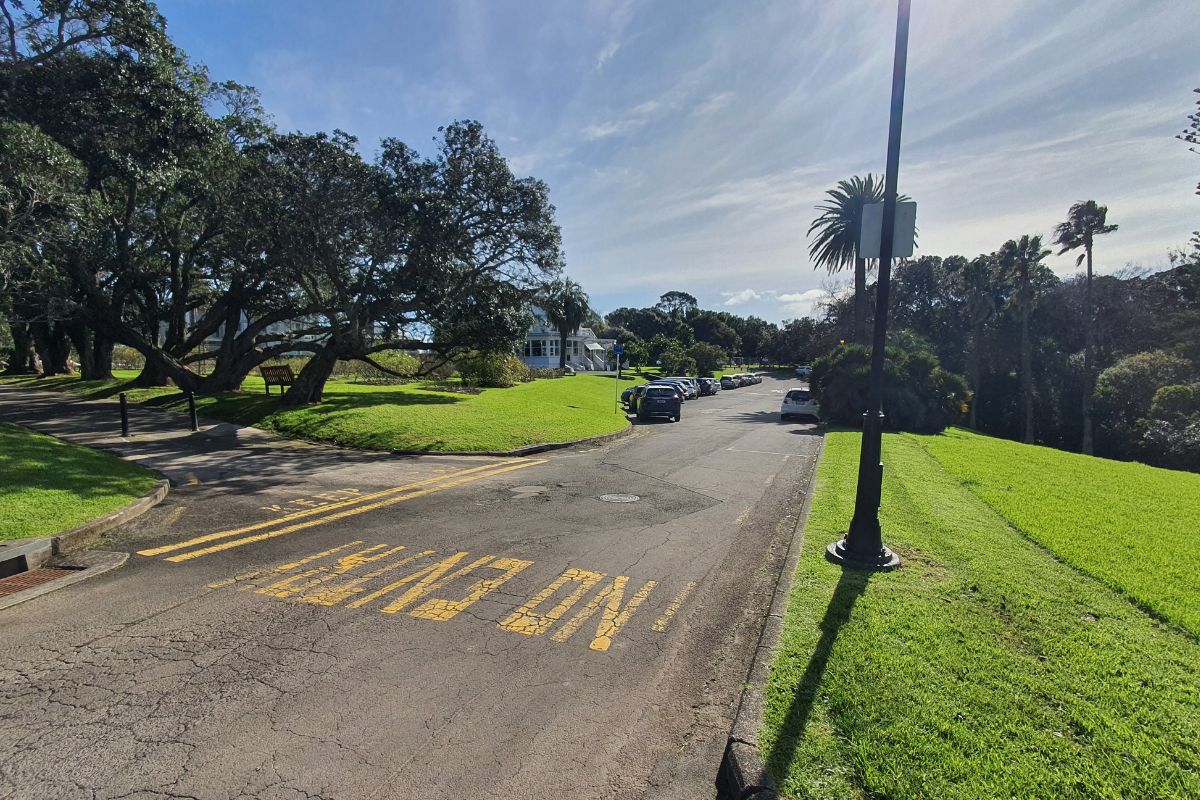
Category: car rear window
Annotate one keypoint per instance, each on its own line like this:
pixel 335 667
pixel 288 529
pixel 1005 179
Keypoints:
pixel 796 394
pixel 660 391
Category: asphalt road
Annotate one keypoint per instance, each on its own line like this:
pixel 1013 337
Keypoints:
pixel 302 622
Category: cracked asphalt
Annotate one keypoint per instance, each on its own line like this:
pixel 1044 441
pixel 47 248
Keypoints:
pixel 304 622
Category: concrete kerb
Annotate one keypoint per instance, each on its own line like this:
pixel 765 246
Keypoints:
pixel 89 534
pixel 742 774
pixel 527 450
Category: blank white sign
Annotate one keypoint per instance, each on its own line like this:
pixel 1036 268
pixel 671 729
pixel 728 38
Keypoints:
pixel 903 235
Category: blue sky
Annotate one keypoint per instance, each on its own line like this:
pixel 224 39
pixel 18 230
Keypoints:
pixel 685 143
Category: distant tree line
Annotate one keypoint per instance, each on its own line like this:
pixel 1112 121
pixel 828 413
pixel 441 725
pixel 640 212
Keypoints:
pixel 146 205
pixel 688 340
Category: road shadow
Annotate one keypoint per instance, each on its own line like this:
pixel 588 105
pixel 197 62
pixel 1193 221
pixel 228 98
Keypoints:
pixel 850 586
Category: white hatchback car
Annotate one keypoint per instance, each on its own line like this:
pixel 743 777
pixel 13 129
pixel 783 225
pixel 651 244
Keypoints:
pixel 799 402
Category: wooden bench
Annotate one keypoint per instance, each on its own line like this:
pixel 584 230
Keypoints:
pixel 279 375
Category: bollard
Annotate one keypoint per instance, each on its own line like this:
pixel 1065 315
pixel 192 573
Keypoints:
pixel 192 411
pixel 124 416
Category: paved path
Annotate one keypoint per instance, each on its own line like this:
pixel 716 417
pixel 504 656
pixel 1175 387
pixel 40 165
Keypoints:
pixel 308 622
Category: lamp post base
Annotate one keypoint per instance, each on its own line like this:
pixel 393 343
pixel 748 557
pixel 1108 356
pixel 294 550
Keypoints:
pixel 883 561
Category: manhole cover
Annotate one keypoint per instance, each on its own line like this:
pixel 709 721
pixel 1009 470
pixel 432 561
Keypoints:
pixel 620 498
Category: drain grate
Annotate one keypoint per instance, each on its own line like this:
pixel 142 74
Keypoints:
pixel 620 498
pixel 31 578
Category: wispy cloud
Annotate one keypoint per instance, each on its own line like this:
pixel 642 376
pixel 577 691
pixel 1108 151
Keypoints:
pixel 685 148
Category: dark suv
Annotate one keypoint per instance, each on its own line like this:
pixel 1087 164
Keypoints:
pixel 660 401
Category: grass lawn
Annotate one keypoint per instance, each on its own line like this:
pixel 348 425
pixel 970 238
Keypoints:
pixel 48 486
pixel 405 417
pixel 986 667
pixel 1135 527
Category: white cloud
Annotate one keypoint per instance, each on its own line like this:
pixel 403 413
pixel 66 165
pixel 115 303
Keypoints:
pixel 802 304
pixel 606 54
pixel 738 298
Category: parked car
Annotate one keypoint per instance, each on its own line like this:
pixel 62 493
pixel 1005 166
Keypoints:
pixel 709 386
pixel 683 388
pixel 743 379
pixel 660 400
pixel 691 384
pixel 755 378
pixel 799 402
pixel 804 371
pixel 729 382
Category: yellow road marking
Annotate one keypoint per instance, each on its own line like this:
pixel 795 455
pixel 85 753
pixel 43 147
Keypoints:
pixel 211 537
pixel 216 548
pixel 442 610
pixel 661 623
pixel 440 568
pixel 315 577
pixel 527 621
pixel 174 516
pixel 432 582
pixel 332 595
pixel 613 618
pixel 255 573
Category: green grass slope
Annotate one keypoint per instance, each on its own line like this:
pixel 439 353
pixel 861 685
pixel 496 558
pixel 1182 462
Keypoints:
pixel 405 417
pixel 48 486
pixel 1135 527
pixel 984 668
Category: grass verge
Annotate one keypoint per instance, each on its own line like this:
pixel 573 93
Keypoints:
pixel 406 417
pixel 984 668
pixel 1130 525
pixel 48 486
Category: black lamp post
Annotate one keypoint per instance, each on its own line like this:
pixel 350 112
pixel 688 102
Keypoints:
pixel 862 547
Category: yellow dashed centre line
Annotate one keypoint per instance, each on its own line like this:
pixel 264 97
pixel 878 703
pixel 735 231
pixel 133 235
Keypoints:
pixel 204 551
pixel 212 537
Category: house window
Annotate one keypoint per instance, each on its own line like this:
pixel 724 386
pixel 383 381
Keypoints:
pixel 574 347
pixel 552 347
pixel 535 348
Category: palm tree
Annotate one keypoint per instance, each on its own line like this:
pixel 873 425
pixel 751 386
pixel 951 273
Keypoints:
pixel 1085 221
pixel 976 282
pixel 566 307
pixel 835 245
pixel 1020 263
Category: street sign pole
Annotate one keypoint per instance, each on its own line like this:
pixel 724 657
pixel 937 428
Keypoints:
pixel 862 548
pixel 617 350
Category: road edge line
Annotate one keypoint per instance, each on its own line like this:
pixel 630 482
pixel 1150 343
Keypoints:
pixel 742 774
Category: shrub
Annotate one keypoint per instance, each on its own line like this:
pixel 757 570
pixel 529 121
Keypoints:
pixel 708 357
pixel 676 361
pixel 125 357
pixel 407 365
pixel 491 370
pixel 918 394
pixel 1174 443
pixel 1125 391
pixel 1173 402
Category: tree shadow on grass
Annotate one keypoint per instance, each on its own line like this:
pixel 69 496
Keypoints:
pixel 850 586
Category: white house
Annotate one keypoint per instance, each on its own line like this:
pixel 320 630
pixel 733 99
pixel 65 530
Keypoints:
pixel 585 352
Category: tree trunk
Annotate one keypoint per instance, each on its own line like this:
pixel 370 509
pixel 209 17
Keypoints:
pixel 22 355
pixel 1088 341
pixel 1026 379
pixel 52 346
pixel 153 374
pixel 976 335
pixel 310 383
pixel 95 352
pixel 562 350
pixel 860 300
pixel 101 360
